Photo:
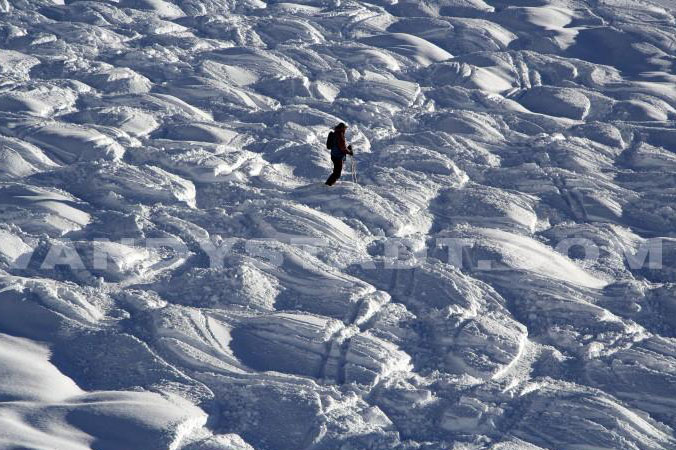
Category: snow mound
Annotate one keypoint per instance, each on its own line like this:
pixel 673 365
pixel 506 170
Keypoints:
pixel 585 407
pixel 119 184
pixel 27 374
pixel 21 159
pixel 519 253
pixel 418 49
pixel 561 102
pixel 41 210
pixel 316 347
pixel 55 411
pixel 477 206
pixel 133 121
pixel 70 143
pixel 160 8
pixel 16 64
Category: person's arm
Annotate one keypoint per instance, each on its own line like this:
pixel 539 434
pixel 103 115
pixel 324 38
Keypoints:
pixel 343 147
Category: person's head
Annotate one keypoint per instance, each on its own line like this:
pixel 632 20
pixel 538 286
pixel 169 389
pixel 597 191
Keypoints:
pixel 340 128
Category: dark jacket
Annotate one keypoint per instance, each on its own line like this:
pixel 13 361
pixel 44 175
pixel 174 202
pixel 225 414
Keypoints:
pixel 339 149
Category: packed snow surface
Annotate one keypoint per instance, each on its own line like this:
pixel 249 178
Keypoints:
pixel 175 275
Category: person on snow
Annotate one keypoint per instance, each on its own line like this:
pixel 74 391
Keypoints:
pixel 339 150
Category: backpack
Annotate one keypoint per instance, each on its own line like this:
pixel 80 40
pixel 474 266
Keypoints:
pixel 330 140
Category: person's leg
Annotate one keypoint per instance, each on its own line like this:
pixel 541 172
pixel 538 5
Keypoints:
pixel 337 170
pixel 338 167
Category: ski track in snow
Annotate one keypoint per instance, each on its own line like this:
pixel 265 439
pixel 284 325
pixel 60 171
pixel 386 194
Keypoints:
pixel 509 125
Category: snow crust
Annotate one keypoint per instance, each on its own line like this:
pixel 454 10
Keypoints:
pixel 175 275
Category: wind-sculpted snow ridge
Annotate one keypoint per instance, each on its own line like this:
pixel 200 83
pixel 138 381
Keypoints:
pixel 175 275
